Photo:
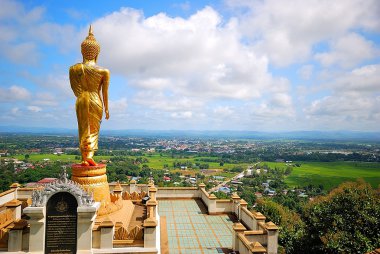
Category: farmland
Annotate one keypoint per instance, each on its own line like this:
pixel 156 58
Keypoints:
pixel 327 174
pixel 331 174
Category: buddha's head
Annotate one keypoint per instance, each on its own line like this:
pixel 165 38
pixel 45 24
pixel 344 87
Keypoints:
pixel 90 47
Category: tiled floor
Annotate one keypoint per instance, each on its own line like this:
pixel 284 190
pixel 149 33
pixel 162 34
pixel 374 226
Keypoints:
pixel 191 230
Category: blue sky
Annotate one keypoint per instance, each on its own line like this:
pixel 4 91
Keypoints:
pixel 197 65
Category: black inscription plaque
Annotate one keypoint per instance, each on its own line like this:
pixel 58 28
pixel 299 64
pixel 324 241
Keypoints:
pixel 61 224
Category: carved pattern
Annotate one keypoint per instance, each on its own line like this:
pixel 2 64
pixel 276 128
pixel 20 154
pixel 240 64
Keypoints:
pixel 136 233
pixel 79 170
pixel 6 216
pixel 40 197
pixel 126 196
pixel 135 196
pixel 114 197
pixel 93 180
pixel 3 237
pixel 123 234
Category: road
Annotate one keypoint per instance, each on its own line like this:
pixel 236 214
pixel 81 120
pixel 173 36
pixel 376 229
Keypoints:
pixel 238 176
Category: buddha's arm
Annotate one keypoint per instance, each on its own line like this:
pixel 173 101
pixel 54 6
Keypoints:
pixel 106 81
pixel 75 81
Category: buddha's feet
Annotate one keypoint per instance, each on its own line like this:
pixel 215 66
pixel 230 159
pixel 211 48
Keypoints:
pixel 85 163
pixel 91 162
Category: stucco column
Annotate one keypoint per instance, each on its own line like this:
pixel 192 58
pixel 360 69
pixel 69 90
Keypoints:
pixel 106 234
pixel 132 186
pixel 212 204
pixel 37 228
pixel 238 228
pixel 235 205
pixel 272 244
pixel 118 190
pixel 15 207
pixel 258 218
pixel 150 225
pixel 86 218
pixel 152 193
pixel 15 236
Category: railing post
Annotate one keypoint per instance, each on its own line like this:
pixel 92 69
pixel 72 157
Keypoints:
pixel 238 228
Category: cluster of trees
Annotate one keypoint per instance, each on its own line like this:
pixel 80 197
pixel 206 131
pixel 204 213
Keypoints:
pixel 9 176
pixel 344 221
pixel 330 157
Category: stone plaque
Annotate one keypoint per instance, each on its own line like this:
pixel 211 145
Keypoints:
pixel 61 224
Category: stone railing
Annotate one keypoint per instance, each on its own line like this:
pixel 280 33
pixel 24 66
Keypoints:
pixel 177 192
pixel 130 187
pixel 264 240
pixel 7 196
pixel 251 219
pixel 251 235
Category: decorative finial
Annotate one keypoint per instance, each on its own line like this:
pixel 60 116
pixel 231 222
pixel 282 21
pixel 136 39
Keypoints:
pixel 63 176
pixel 90 31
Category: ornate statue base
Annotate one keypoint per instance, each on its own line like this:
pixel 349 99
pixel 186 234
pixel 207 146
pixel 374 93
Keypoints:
pixel 94 180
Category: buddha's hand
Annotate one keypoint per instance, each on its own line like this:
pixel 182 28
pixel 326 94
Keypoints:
pixel 107 114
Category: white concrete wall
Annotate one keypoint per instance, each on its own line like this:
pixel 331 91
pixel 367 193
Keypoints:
pixel 247 218
pixel 204 196
pixel 261 238
pixel 175 192
pixel 24 193
pixel 224 206
pixel 127 187
pixel 242 248
pixel 7 196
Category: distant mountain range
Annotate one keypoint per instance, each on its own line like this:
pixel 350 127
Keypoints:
pixel 289 135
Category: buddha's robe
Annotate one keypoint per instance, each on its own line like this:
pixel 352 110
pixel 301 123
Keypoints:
pixel 86 83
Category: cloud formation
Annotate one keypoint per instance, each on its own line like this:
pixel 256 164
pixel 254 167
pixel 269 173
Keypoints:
pixel 198 56
pixel 287 31
pixel 252 64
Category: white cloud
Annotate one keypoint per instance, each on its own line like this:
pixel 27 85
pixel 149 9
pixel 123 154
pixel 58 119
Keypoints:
pixel 348 51
pixel 118 106
pixel 162 102
pixel 20 53
pixel 45 99
pixel 204 71
pixel 8 8
pixel 286 31
pixel 199 57
pixel 353 103
pixel 14 93
pixel 183 6
pixel 364 80
pixel 34 109
pixel 54 83
pixel 182 115
pixel 306 71
pixel 281 100
pixel 15 111
pixel 223 111
pixel 23 32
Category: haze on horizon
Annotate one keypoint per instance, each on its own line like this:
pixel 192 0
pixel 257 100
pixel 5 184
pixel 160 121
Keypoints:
pixel 197 65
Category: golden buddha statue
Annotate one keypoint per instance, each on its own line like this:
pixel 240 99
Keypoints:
pixel 88 81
